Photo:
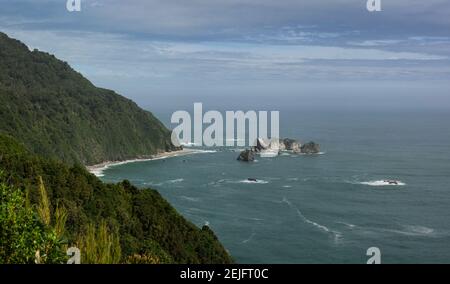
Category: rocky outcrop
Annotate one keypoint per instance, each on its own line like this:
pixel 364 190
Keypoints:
pixel 310 148
pixel 281 145
pixel 261 145
pixel 247 156
pixel 292 145
pixel 268 148
pixel 273 148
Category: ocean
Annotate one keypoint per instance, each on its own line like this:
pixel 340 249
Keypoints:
pixel 327 208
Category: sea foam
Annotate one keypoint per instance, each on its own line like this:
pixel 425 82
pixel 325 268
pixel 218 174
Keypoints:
pixel 337 235
pixel 254 182
pixel 382 183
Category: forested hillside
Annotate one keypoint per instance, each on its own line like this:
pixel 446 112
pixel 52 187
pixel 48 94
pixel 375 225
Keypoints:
pixel 53 122
pixel 58 113
pixel 147 228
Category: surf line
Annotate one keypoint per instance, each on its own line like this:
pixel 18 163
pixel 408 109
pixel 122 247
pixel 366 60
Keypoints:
pixel 337 235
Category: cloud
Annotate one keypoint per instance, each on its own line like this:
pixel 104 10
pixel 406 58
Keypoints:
pixel 234 18
pixel 373 43
pixel 134 45
pixel 112 55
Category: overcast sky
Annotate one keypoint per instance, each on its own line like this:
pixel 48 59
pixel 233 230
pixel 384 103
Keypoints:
pixel 161 52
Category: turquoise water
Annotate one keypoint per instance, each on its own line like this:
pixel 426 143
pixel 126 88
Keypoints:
pixel 321 208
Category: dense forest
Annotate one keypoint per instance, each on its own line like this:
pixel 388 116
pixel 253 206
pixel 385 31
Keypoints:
pixel 147 228
pixel 58 113
pixel 53 122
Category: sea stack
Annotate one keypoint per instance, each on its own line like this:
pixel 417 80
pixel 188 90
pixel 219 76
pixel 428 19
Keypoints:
pixel 247 156
pixel 310 148
pixel 291 145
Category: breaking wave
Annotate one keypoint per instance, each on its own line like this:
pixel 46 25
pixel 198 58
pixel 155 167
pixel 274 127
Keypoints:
pixel 337 235
pixel 254 181
pixel 383 183
pixel 249 238
pixel 188 198
pixel 413 230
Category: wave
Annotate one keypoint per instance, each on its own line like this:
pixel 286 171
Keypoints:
pixel 420 229
pixel 171 181
pixel 230 181
pixel 350 226
pixel 405 230
pixel 188 198
pixel 178 180
pixel 249 239
pixel 383 183
pixel 337 235
pixel 198 151
pixel 216 183
pixel 313 154
pixel 254 182
pixel 268 154
pixel 98 172
pixel 413 230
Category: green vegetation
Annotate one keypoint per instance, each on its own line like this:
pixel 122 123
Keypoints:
pixel 25 238
pixel 93 216
pixel 58 113
pixel 52 123
pixel 99 245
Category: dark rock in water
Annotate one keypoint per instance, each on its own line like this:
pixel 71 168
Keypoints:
pixel 247 156
pixel 292 145
pixel 391 182
pixel 310 148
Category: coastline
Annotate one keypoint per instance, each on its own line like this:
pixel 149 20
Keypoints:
pixel 98 169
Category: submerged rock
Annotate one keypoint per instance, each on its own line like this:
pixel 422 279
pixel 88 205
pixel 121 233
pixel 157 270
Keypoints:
pixel 310 148
pixel 246 156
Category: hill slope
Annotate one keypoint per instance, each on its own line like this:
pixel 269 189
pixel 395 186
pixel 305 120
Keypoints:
pixel 58 113
pixel 146 224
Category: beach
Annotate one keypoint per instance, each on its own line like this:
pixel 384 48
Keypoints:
pixel 99 168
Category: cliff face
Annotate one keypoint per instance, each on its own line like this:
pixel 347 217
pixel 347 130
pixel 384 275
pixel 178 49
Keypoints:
pixel 58 113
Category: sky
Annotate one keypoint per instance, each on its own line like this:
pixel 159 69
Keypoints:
pixel 269 53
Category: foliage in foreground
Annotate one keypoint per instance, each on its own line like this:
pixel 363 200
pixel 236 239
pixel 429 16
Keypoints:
pixel 99 245
pixel 24 237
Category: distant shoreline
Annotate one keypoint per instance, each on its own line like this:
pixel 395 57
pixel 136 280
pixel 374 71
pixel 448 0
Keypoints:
pixel 99 168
